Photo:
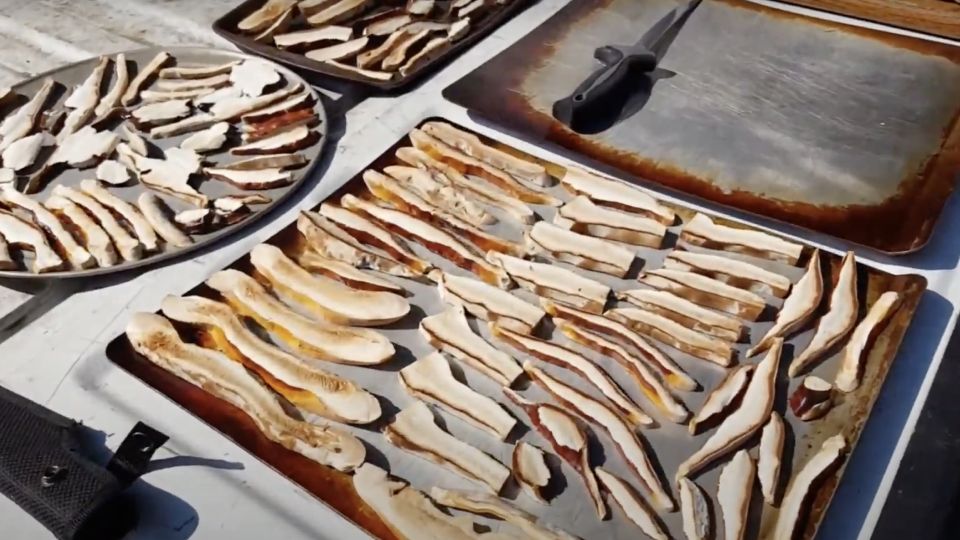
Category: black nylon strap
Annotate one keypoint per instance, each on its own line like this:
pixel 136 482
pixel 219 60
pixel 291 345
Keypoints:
pixel 132 458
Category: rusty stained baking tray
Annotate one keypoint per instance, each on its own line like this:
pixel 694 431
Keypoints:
pixel 226 27
pixel 670 442
pixel 936 17
pixel 835 128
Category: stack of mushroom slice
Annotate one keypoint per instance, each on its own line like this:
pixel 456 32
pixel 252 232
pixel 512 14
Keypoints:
pixel 703 231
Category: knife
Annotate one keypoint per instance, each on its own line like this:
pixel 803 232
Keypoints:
pixel 621 62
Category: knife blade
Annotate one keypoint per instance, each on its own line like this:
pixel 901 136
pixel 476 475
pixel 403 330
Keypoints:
pixel 620 62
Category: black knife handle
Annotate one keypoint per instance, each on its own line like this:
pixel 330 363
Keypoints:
pixel 601 85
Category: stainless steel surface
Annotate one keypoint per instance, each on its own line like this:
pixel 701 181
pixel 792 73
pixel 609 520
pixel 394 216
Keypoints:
pixel 806 114
pixel 75 74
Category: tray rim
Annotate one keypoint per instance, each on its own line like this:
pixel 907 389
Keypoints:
pixel 908 308
pixel 924 230
pixel 159 259
pixel 296 61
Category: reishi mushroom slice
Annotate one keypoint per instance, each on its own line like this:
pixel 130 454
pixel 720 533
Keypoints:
pixel 21 234
pixel 694 510
pixel 582 216
pixel 252 77
pixel 141 227
pixel 770 457
pixel 838 321
pixel 733 494
pixel 94 239
pixel 129 247
pixel 257 179
pixel 84 100
pixel 471 145
pixel 264 16
pixel 489 303
pixel 812 471
pixel 685 312
pixel 157 215
pixel 439 191
pixel 703 231
pixel 798 308
pixel 132 93
pixel 24 120
pixel 491 505
pixel 707 292
pixel 676 335
pixel 333 13
pixel 606 191
pixel 312 36
pixel 732 271
pixel 270 161
pixel 111 100
pixel 812 399
pixel 851 367
pixel 631 504
pixel 722 396
pixel 530 470
pixel 551 241
pixel 554 282
pixel 347 274
pixel 75 253
pixel 201 71
pixel 207 140
pixel 289 140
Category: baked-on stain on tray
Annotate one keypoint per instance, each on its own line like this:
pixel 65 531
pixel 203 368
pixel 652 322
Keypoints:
pixel 848 416
pixel 765 113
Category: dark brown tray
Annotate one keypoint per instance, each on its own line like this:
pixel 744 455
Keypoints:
pixel 782 94
pixel 335 489
pixel 226 25
pixel 937 17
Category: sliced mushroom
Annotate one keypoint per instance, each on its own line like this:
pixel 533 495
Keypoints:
pixel 702 231
pixel 812 471
pixel 459 29
pixel 568 439
pixel 590 372
pixel 251 132
pixel 224 109
pixel 707 292
pixel 84 100
pixel 734 272
pixel 340 51
pixel 474 8
pixel 649 385
pixel 199 71
pixel 431 379
pixel 467 165
pixel 160 96
pixel 333 13
pixel 141 227
pixel 722 397
pixel 207 101
pixel 607 191
pixel 415 430
pixel 153 66
pixel 195 220
pixel 798 308
pixel 753 412
pixel 438 191
pixel 18 233
pixel 666 368
pixel 387 24
pixel 271 161
pixel 313 36
pixel 84 148
pixel 579 250
pixel 851 367
pixel 839 320
pixel 812 399
pixel 153 337
pixel 329 299
pixel 367 73
pixel 129 247
pixel 65 243
pixel 449 332
pixel 554 282
pixel 208 140
pixel 373 57
pixel 347 274
pixel 301 382
pixel 214 82
pixel 230 210
pixel 328 239
pixel 96 240
pixel 23 152
pixel 264 16
pixel 369 233
pixel 695 510
pixel 251 180
pixel 631 504
pixel 420 7
pixel 157 215
pixel 22 122
pixel 7 176
pixel 530 470
pixel 676 335
pixel 685 312
pixel 301 101
pixel 616 427
pixel 769 457
pixel 481 189
pixel 398 54
pixel 171 175
pixel 252 77
pixel 581 215
pixel 489 303
pixel 491 505
pixel 471 145
pixel 112 173
pixel 281 24
pixel 111 100
pixel 394 193
pixel 434 239
pixel 6 261
pixel 134 141
pixel 430 50
pixel 314 338
pixel 149 116
pixel 733 494
pixel 291 140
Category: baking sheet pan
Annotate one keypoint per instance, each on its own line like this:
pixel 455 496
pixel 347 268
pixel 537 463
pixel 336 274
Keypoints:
pixel 843 130
pixel 937 17
pixel 74 74
pixel 226 27
pixel 670 442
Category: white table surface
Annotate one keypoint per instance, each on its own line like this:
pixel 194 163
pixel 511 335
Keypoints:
pixel 58 357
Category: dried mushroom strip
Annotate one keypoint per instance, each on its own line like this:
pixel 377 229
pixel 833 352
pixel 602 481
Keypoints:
pixel 582 216
pixel 814 470
pixel 450 333
pixel 798 308
pixel 735 272
pixel 554 282
pixel 489 303
pixel 703 231
pixel 414 429
pixel 153 337
pixel 676 335
pixel 22 235
pixel 722 397
pixel 568 439
pixel 632 505
pixel 707 292
pixel 347 274
pixel 486 504
pixel 733 494
pixel 606 191
pixel 770 457
pixel 851 367
pixel 439 191
pixel 530 470
pixel 687 313
pixel 63 240
pixel 580 250
pixel 93 237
